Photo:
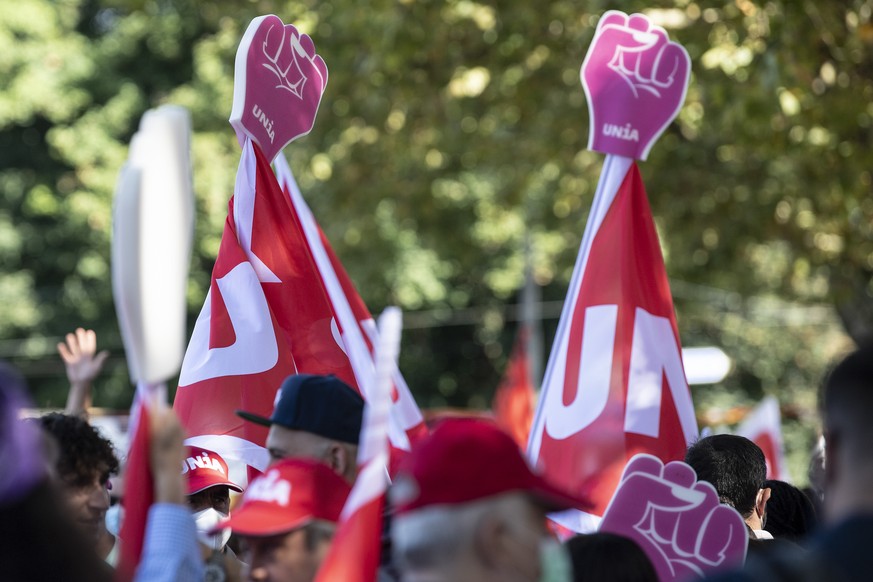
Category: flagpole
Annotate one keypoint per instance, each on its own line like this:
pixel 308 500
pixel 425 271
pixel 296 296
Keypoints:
pixel 531 315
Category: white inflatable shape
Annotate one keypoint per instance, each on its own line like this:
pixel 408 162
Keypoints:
pixel 152 233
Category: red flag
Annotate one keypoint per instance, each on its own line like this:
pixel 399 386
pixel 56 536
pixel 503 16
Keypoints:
pixel 353 320
pixel 513 404
pixel 614 385
pixel 139 495
pixel 763 426
pixel 266 316
pixel 271 311
pixel 356 547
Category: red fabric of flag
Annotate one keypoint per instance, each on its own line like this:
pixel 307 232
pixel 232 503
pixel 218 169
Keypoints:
pixel 353 321
pixel 266 316
pixel 139 495
pixel 357 546
pixel 614 384
pixel 763 426
pixel 513 404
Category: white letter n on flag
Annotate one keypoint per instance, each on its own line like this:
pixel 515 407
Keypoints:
pixel 654 358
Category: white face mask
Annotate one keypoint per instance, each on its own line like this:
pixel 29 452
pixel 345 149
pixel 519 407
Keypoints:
pixel 555 563
pixel 206 521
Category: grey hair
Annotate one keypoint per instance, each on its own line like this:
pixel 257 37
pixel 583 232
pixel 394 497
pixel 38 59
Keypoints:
pixel 433 538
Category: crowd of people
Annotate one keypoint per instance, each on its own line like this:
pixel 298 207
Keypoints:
pixel 464 505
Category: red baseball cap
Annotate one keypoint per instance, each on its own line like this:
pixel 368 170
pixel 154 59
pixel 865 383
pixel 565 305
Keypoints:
pixel 204 469
pixel 466 460
pixel 289 495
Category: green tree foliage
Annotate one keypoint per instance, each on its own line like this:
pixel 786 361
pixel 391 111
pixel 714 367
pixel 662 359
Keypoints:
pixel 448 131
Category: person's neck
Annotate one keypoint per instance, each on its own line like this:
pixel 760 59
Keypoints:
pixel 754 522
pixel 105 544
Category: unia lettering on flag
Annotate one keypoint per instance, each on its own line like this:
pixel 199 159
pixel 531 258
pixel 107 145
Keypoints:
pixel 614 385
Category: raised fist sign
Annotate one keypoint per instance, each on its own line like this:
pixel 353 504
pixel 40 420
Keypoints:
pixel 635 80
pixel 675 519
pixel 278 83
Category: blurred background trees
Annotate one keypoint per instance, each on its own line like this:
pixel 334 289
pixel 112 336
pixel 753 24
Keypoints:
pixel 451 132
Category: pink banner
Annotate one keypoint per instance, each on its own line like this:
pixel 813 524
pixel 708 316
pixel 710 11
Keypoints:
pixel 676 520
pixel 635 80
pixel 278 84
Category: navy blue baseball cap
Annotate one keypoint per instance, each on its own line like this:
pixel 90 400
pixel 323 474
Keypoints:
pixel 322 405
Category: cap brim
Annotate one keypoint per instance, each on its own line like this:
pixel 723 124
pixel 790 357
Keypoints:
pixel 228 484
pixel 262 521
pixel 255 418
pixel 553 499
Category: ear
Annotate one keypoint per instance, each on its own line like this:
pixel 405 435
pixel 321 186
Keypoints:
pixel 488 539
pixel 761 501
pixel 340 459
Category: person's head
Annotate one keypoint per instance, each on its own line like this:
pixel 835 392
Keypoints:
pixel 609 558
pixel 317 417
pixel 790 513
pixel 208 487
pixel 39 540
pixel 847 407
pixel 287 518
pixel 84 463
pixel 735 466
pixel 468 507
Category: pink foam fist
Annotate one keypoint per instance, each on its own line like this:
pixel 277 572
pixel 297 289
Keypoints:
pixel 278 83
pixel 676 520
pixel 635 80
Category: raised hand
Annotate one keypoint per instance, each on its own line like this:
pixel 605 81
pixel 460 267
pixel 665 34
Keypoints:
pixel 83 364
pixel 676 520
pixel 278 84
pixel 635 80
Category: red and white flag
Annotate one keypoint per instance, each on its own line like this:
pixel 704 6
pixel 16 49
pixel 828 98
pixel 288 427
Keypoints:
pixel 353 321
pixel 277 305
pixel 614 385
pixel 763 426
pixel 514 400
pixel 265 317
pixel 356 547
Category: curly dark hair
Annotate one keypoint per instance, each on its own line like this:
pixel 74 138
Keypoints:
pixel 84 454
